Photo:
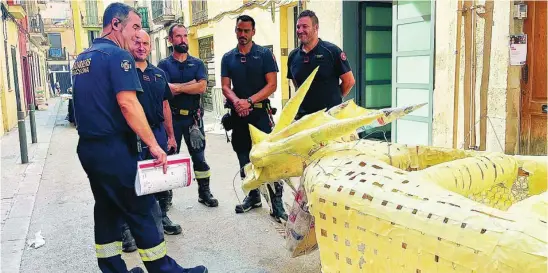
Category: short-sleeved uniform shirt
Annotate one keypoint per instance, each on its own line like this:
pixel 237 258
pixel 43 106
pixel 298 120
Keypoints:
pixel 181 72
pixel 325 91
pixel 247 72
pixel 99 74
pixel 155 91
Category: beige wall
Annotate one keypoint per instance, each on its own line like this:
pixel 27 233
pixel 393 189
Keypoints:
pixel 330 16
pixel 501 74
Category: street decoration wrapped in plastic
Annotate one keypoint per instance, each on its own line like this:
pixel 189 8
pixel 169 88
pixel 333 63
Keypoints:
pixel 371 206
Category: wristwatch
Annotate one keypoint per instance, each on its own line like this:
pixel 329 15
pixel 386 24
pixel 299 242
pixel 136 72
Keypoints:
pixel 250 102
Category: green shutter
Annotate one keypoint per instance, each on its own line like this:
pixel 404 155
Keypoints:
pixel 143 11
pixel 413 69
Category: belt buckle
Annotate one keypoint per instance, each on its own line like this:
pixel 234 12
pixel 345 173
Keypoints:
pixel 183 112
pixel 258 105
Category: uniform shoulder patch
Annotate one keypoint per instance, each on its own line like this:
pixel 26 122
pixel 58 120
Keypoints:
pixel 343 56
pixel 126 65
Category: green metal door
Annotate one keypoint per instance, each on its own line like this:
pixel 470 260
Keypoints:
pixel 376 59
pixel 413 69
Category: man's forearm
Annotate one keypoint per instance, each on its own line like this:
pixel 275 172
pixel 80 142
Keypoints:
pixel 264 93
pixel 192 88
pixel 229 94
pixel 345 88
pixel 168 120
pixel 136 119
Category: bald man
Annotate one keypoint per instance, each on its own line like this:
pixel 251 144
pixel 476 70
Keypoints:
pixel 154 98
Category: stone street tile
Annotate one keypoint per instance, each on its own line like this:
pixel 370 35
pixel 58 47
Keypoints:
pixel 15 229
pixel 35 167
pixel 29 185
pixel 22 206
pixel 5 208
pixel 12 251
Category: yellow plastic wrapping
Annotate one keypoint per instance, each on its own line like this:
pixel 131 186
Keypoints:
pixel 384 207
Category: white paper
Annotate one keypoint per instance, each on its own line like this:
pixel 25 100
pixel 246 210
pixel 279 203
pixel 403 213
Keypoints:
pixel 152 179
pixel 518 49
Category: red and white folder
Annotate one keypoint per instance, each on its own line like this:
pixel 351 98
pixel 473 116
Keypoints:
pixel 151 179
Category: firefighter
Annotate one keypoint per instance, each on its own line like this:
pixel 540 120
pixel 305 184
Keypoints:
pixel 248 75
pixel 188 80
pixel 110 118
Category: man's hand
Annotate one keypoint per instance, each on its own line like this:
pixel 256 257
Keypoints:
pixel 160 155
pixel 244 112
pixel 196 137
pixel 241 105
pixel 171 144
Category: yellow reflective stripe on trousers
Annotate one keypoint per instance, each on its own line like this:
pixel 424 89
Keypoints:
pixel 108 250
pixel 153 254
pixel 199 174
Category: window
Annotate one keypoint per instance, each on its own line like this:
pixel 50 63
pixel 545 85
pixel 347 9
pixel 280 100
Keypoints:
pixel 54 40
pixel 92 34
pixel 157 47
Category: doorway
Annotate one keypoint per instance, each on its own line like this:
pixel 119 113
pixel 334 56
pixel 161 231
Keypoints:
pixel 375 61
pixel 533 82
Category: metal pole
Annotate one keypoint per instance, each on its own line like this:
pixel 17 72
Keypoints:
pixel 33 124
pixel 22 136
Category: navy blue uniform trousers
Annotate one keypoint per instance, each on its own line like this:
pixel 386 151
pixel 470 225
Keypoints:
pixel 181 129
pixel 111 166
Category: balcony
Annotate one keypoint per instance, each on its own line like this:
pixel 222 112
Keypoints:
pixel 53 23
pixel 42 4
pixel 199 12
pixel 36 29
pixel 143 11
pixel 16 9
pixel 57 54
pixel 162 12
pixel 92 21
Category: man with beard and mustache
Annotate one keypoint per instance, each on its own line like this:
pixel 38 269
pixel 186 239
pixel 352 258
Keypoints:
pixel 110 118
pixel 325 91
pixel 248 75
pixel 154 98
pixel 187 79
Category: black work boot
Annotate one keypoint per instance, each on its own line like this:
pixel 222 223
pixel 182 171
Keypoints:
pixel 204 193
pixel 170 228
pixel 128 243
pixel 198 269
pixel 252 201
pixel 169 198
pixel 278 210
pixel 136 270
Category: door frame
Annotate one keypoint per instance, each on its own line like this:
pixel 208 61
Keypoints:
pixel 430 52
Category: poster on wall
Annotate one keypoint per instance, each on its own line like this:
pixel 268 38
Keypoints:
pixel 518 49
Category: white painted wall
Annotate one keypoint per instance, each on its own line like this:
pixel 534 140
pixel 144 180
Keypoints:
pixel 445 74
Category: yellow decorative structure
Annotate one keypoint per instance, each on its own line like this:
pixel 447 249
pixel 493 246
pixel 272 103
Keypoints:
pixel 385 207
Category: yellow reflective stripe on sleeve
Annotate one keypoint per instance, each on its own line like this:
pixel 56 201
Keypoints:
pixel 199 174
pixel 108 250
pixel 153 254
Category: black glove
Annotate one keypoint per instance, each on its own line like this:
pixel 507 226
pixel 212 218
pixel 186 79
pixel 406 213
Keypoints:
pixel 196 137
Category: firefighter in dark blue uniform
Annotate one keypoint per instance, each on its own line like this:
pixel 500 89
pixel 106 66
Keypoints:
pixel 154 98
pixel 252 71
pixel 188 80
pixel 325 91
pixel 110 118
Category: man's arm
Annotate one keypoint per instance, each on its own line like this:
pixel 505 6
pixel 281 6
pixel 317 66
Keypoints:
pixel 135 117
pixel 227 91
pixel 268 89
pixel 168 121
pixel 347 83
pixel 191 88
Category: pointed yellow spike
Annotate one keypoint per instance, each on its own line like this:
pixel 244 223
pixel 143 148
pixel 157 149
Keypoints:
pixel 292 106
pixel 309 121
pixel 302 143
pixel 257 135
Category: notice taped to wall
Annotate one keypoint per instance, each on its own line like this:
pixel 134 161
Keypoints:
pixel 518 49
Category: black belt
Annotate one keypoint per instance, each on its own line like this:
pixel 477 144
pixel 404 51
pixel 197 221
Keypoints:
pixel 183 111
